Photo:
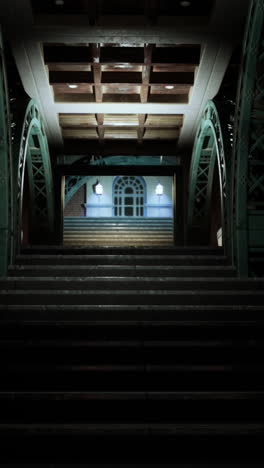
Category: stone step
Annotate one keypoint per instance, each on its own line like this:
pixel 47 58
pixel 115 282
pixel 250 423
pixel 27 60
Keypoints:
pixel 136 297
pixel 154 316
pixel 45 376
pixel 118 232
pixel 155 353
pixel 117 241
pixel 128 407
pixel 194 429
pixel 141 283
pixel 117 220
pixel 82 357
pixel 120 227
pixel 121 270
pixel 167 399
pixel 241 446
pixel 119 259
pixel 74 250
pixel 141 348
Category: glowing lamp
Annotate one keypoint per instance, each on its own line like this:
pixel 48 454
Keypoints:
pixel 159 189
pixel 99 189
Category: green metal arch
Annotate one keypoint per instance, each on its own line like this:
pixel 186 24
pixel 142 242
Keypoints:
pixel 6 216
pixel 248 162
pixel 212 144
pixel 72 185
pixel 31 147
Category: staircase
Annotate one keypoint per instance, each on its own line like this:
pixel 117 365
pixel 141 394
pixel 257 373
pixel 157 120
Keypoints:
pixel 129 231
pixel 131 356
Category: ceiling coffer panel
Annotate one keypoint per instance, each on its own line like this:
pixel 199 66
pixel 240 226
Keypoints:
pixel 121 126
pixel 143 73
pixel 118 73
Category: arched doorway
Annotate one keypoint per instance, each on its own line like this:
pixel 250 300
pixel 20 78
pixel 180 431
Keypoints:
pixel 129 196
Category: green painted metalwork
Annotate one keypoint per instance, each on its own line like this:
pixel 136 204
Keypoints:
pixel 31 147
pixel 119 160
pixel 213 143
pixel 248 164
pixel 6 244
pixel 72 185
pixel 136 160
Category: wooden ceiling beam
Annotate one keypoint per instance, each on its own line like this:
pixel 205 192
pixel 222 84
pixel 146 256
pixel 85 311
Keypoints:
pixel 174 67
pixel 69 66
pixel 100 119
pixel 100 126
pixel 101 133
pixel 141 128
pixel 97 72
pixel 148 48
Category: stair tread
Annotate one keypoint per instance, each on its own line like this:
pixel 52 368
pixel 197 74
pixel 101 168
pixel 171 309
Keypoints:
pixel 137 395
pixel 130 292
pixel 129 353
pixel 136 279
pixel 130 428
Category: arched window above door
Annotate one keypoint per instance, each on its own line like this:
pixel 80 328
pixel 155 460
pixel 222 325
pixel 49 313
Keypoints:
pixel 129 196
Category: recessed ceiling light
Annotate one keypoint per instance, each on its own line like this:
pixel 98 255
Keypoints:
pixel 169 87
pixel 185 3
pixel 59 2
pixel 72 86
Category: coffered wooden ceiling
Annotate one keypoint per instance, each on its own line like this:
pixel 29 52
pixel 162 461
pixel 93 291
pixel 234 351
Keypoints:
pixel 126 71
pixel 114 73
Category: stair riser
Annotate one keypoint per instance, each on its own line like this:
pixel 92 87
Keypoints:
pixel 130 411
pixel 241 448
pixel 152 366
pixel 136 378
pixel 188 357
pixel 121 260
pixel 136 298
pixel 59 249
pixel 183 316
pixel 142 283
pixel 113 270
pixel 162 335
pixel 113 243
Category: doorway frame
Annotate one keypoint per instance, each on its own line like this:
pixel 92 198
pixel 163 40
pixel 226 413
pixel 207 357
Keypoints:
pixel 177 189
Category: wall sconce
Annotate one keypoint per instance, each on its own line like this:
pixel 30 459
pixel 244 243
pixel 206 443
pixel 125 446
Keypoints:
pixel 99 189
pixel 159 189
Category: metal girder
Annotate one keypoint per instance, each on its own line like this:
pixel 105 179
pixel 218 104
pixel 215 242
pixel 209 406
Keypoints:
pixel 6 223
pixel 72 185
pixel 248 164
pixel 213 142
pixel 31 147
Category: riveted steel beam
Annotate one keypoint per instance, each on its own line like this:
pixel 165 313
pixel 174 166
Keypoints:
pixel 31 151
pixel 213 143
pixel 248 162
